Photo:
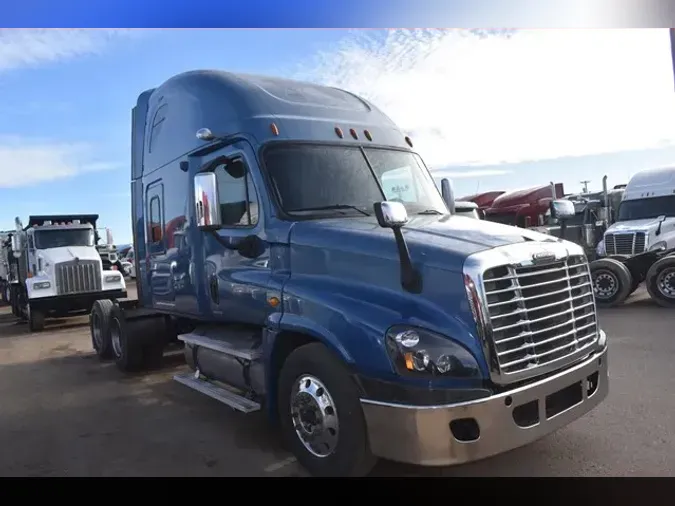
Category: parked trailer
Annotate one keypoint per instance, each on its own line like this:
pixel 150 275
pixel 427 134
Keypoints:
pixel 367 322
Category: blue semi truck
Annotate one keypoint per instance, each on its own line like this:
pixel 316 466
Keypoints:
pixel 365 324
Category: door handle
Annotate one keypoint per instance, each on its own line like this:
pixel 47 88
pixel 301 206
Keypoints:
pixel 213 286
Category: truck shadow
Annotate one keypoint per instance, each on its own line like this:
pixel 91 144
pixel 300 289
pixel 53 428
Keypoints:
pixel 74 415
pixel 13 327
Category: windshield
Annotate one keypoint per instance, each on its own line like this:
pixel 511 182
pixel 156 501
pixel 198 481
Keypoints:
pixel 469 212
pixel 644 209
pixel 45 239
pixel 317 179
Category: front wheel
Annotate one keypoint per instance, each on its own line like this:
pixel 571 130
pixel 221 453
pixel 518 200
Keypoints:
pixel 320 414
pixel 661 282
pixel 612 282
pixel 36 319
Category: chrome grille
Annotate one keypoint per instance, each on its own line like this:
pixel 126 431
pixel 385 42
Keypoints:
pixel 78 277
pixel 540 314
pixel 630 243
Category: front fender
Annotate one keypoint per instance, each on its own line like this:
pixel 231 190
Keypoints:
pixel 352 319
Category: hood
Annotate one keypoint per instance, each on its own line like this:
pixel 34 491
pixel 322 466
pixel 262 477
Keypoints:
pixel 69 253
pixel 635 225
pixel 442 240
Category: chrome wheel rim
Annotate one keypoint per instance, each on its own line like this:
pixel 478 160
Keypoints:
pixel 605 285
pixel 115 337
pixel 314 415
pixel 665 283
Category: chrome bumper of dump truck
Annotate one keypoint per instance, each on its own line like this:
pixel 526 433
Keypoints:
pixel 423 435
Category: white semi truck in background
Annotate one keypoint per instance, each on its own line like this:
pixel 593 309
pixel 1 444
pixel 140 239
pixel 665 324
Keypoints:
pixel 59 270
pixel 639 246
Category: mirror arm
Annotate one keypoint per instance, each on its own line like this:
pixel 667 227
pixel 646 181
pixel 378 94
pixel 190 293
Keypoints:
pixel 411 280
pixel 232 246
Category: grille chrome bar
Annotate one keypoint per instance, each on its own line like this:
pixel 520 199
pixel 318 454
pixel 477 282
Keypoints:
pixel 625 243
pixel 75 277
pixel 537 317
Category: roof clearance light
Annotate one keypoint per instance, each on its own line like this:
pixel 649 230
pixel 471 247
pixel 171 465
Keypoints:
pixel 48 222
pixel 367 134
pixel 408 141
pixel 353 132
pixel 338 132
pixel 76 222
pixel 275 129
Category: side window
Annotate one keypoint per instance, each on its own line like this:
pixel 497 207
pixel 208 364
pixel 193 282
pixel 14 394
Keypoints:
pixel 236 194
pixel 157 123
pixel 31 243
pixel 155 216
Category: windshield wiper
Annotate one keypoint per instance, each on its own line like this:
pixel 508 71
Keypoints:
pixel 430 211
pixel 331 207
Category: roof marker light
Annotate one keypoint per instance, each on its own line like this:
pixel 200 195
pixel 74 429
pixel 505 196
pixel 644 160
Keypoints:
pixel 274 128
pixel 367 134
pixel 338 132
pixel 353 132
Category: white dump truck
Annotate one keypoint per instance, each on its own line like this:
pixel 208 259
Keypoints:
pixel 59 269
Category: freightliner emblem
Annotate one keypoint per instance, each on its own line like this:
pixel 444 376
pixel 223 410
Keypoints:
pixel 543 256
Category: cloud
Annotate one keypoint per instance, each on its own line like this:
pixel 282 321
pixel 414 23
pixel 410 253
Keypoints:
pixel 24 163
pixel 30 47
pixel 491 98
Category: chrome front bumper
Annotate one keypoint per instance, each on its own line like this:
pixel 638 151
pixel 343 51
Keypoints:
pixel 422 434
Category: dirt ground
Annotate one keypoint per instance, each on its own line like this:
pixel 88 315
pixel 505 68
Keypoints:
pixel 64 413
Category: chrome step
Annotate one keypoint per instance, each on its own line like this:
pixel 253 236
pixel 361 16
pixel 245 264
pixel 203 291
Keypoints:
pixel 220 394
pixel 235 343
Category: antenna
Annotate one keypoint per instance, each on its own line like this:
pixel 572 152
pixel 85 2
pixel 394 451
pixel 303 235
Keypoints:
pixel 585 183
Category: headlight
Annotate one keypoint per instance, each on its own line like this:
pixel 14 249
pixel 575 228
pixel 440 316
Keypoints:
pixel 42 285
pixel 419 352
pixel 600 249
pixel 112 278
pixel 661 245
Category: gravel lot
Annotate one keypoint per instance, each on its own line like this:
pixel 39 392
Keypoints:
pixel 63 413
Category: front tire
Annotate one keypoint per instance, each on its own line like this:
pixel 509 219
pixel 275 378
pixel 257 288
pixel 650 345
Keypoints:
pixel 36 319
pixel 612 282
pixel 661 282
pixel 320 414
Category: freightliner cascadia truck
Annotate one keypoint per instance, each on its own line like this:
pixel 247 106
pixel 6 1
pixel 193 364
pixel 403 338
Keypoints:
pixel 365 324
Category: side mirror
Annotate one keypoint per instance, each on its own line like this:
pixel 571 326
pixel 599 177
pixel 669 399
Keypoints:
pixel 562 209
pixel 448 194
pixel 393 215
pixel 16 246
pixel 207 206
pixel 390 214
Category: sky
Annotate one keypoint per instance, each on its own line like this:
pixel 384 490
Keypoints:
pixel 498 110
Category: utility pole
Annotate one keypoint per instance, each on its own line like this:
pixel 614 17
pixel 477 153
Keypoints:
pixel 585 183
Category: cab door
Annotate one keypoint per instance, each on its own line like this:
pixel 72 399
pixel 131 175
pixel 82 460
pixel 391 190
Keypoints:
pixel 237 280
pixel 158 270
